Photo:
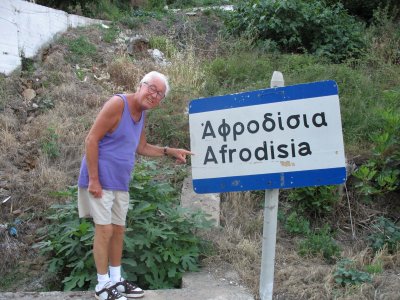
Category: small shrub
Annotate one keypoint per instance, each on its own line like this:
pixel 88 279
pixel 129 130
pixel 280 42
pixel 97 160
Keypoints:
pixel 387 234
pixel 384 38
pixel 110 34
pixel 380 174
pixel 297 224
pixel 69 240
pixel 50 145
pixel 320 242
pixel 375 268
pixel 164 45
pixel 315 200
pixel 80 49
pixel 27 64
pixel 346 274
pixel 160 244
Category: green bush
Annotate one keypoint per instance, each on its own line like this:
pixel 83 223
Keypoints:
pixel 381 174
pixel 365 9
pixel 68 241
pixel 314 200
pixel 160 244
pixel 300 27
pixel 297 224
pixel 386 234
pixel 347 274
pixel 320 242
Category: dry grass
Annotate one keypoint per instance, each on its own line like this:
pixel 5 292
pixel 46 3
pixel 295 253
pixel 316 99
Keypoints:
pixel 238 242
pixel 10 249
pixel 186 73
pixel 8 142
pixel 126 74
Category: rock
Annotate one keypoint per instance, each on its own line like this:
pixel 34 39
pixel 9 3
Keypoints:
pixel 29 94
pixel 138 45
pixel 158 56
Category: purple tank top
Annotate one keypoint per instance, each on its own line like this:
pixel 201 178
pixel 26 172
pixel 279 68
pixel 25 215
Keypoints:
pixel 116 154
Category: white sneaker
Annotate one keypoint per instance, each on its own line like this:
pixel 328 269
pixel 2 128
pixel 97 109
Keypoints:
pixel 109 292
pixel 128 289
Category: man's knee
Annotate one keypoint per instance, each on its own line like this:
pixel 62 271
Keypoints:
pixel 104 232
pixel 118 229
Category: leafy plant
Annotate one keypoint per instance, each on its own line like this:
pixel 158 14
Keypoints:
pixel 315 200
pixel 381 174
pixel 346 274
pixel 320 242
pixel 300 27
pixel 365 9
pixel 386 234
pixel 160 242
pixel 69 240
pixel 297 224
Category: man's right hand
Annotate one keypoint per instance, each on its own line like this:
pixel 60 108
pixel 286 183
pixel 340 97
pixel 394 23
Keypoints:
pixel 95 188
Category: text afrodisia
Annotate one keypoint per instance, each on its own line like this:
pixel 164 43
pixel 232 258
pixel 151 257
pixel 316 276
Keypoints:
pixel 266 150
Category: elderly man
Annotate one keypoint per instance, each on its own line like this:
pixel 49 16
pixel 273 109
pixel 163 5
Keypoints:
pixel 116 135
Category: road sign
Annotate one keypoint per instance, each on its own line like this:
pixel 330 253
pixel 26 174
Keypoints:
pixel 282 137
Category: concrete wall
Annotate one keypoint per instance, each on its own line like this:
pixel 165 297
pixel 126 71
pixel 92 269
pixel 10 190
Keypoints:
pixel 26 27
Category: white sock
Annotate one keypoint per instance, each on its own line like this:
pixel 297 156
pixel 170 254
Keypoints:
pixel 115 274
pixel 102 279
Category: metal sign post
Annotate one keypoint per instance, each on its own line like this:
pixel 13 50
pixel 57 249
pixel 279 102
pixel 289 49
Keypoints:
pixel 269 227
pixel 268 139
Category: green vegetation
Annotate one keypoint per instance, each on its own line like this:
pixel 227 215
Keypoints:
pixel 320 242
pixel 80 49
pixel 300 27
pixel 380 174
pixel 160 244
pixel 163 44
pixel 50 144
pixel 346 274
pixel 314 200
pixel 110 34
pixel 297 224
pixel 387 234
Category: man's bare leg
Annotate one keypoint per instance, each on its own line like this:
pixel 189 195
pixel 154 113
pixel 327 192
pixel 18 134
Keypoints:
pixel 116 245
pixel 102 239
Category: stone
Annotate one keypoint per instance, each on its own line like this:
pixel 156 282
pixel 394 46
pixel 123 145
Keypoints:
pixel 29 94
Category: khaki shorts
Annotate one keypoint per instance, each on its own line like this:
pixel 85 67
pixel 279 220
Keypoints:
pixel 109 209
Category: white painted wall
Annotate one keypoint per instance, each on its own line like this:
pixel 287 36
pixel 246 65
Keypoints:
pixel 26 27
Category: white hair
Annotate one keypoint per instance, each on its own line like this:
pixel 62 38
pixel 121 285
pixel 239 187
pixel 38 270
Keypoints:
pixel 155 74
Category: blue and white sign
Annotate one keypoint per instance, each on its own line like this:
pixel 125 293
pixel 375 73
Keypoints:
pixel 282 137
